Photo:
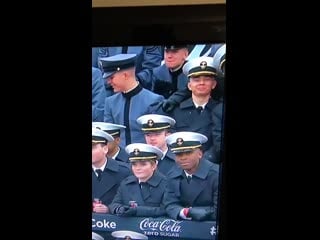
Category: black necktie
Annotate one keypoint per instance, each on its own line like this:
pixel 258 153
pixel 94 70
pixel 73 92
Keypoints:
pixel 199 109
pixel 99 172
pixel 189 179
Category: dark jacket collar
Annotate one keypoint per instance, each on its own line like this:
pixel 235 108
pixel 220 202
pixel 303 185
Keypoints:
pixel 133 92
pixel 189 104
pixel 112 165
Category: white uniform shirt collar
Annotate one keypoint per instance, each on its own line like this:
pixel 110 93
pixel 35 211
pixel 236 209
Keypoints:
pixel 102 167
pixel 203 106
pixel 187 174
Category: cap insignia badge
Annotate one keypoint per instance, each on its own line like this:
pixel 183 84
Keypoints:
pixel 136 151
pixel 203 64
pixel 150 123
pixel 179 141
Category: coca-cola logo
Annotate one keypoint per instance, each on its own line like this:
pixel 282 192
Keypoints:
pixel 166 225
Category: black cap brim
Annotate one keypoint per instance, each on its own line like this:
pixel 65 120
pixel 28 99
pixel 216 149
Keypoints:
pixel 108 74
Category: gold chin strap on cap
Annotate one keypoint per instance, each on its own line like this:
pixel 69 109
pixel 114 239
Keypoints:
pixel 98 141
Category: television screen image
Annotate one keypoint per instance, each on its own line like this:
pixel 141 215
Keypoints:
pixel 157 131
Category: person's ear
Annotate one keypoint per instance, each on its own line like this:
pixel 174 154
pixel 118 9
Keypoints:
pixel 117 140
pixel 189 85
pixel 214 83
pixel 105 148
